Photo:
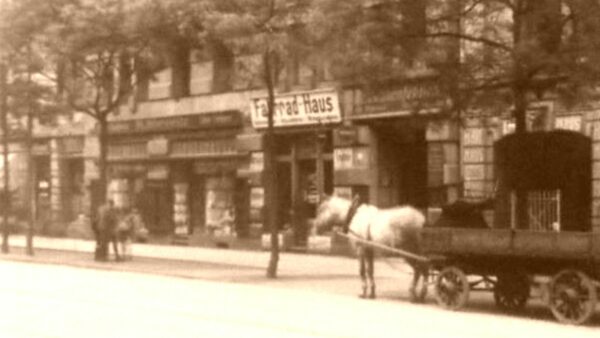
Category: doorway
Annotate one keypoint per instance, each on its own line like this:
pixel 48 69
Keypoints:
pixel 157 207
pixel 304 172
pixel 402 163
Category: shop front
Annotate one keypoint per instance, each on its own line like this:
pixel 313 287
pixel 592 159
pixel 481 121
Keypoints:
pixel 180 172
pixel 304 124
pixel 409 145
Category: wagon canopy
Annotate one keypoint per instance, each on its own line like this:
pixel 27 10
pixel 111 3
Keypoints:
pixel 555 160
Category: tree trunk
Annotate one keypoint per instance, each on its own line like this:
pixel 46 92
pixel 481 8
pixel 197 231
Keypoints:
pixel 103 145
pixel 31 198
pixel 519 93
pixel 7 200
pixel 30 185
pixel 270 173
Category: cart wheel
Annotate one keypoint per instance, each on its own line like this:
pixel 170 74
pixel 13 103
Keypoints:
pixel 572 297
pixel 452 288
pixel 511 292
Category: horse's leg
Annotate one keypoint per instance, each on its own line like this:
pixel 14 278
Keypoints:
pixel 363 273
pixel 370 253
pixel 425 273
pixel 415 281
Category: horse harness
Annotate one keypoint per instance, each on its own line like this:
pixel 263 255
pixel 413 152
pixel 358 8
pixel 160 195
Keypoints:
pixel 351 213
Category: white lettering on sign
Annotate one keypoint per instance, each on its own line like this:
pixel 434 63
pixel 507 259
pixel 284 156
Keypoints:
pixel 473 136
pixel 474 155
pixel 158 146
pixel 343 192
pixel 342 158
pixel 257 161
pixel 596 151
pixel 304 108
pixel 596 131
pixel 573 123
pixel 474 172
pixel 158 172
pixel 596 188
pixel 257 197
pixel 596 170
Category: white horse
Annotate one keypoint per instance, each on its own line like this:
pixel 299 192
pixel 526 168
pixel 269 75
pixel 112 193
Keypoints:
pixel 396 227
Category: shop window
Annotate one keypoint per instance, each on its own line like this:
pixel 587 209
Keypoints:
pixel 220 208
pixel 201 77
pixel 539 118
pixel 118 191
pixel 180 68
pixel 223 68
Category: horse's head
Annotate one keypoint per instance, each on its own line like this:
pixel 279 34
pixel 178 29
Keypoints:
pixel 332 211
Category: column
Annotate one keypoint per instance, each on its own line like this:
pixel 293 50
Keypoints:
pixel 55 183
pixel 594 124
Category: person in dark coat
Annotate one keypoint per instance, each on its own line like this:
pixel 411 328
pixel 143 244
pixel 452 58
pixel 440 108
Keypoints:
pixel 106 225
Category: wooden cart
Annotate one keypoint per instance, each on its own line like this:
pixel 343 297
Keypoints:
pixel 508 262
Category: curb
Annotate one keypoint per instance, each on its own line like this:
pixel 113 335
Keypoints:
pixel 289 263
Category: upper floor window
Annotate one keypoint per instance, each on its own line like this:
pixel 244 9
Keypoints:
pixel 159 86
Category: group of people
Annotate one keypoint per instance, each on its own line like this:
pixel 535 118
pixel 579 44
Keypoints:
pixel 118 227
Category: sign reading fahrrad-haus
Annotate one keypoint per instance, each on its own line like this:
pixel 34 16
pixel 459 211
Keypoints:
pixel 297 109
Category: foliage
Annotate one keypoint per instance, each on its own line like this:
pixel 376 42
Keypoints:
pixel 487 53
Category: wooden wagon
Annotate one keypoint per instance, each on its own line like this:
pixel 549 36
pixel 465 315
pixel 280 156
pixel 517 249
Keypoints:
pixel 509 262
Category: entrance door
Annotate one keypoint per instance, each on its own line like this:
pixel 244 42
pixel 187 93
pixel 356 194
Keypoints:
pixel 157 210
pixel 402 162
pixel 197 203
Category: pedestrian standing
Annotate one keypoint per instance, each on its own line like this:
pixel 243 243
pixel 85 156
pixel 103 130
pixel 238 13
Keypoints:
pixel 139 231
pixel 125 234
pixel 106 224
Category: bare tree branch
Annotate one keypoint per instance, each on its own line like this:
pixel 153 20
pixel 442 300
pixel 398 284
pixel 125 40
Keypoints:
pixel 466 37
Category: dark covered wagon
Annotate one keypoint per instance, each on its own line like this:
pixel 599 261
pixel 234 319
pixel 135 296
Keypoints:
pixel 551 247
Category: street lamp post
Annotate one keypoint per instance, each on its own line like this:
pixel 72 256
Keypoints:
pixel 4 125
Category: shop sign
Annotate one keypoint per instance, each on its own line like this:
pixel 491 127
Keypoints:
pixel 257 161
pixel 573 123
pixel 474 137
pixel 474 155
pixel 158 172
pixel 297 109
pixel 343 192
pixel 350 158
pixel 182 122
pixel 211 166
pixel 346 136
pixel 342 158
pixel 72 145
pixel 474 172
pixel 158 147
pixel 596 188
pixel 257 198
pixel 40 149
pixel 474 188
pixel 441 131
pixel 127 169
pixel 596 151
pixel 596 170
pixel 403 98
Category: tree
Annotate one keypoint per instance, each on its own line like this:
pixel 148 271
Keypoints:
pixel 273 29
pixel 23 97
pixel 489 56
pixel 88 48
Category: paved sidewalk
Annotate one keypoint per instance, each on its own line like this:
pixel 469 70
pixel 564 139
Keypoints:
pixel 318 273
pixel 289 263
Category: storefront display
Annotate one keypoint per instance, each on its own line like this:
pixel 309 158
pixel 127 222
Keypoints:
pixel 181 215
pixel 118 191
pixel 220 208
